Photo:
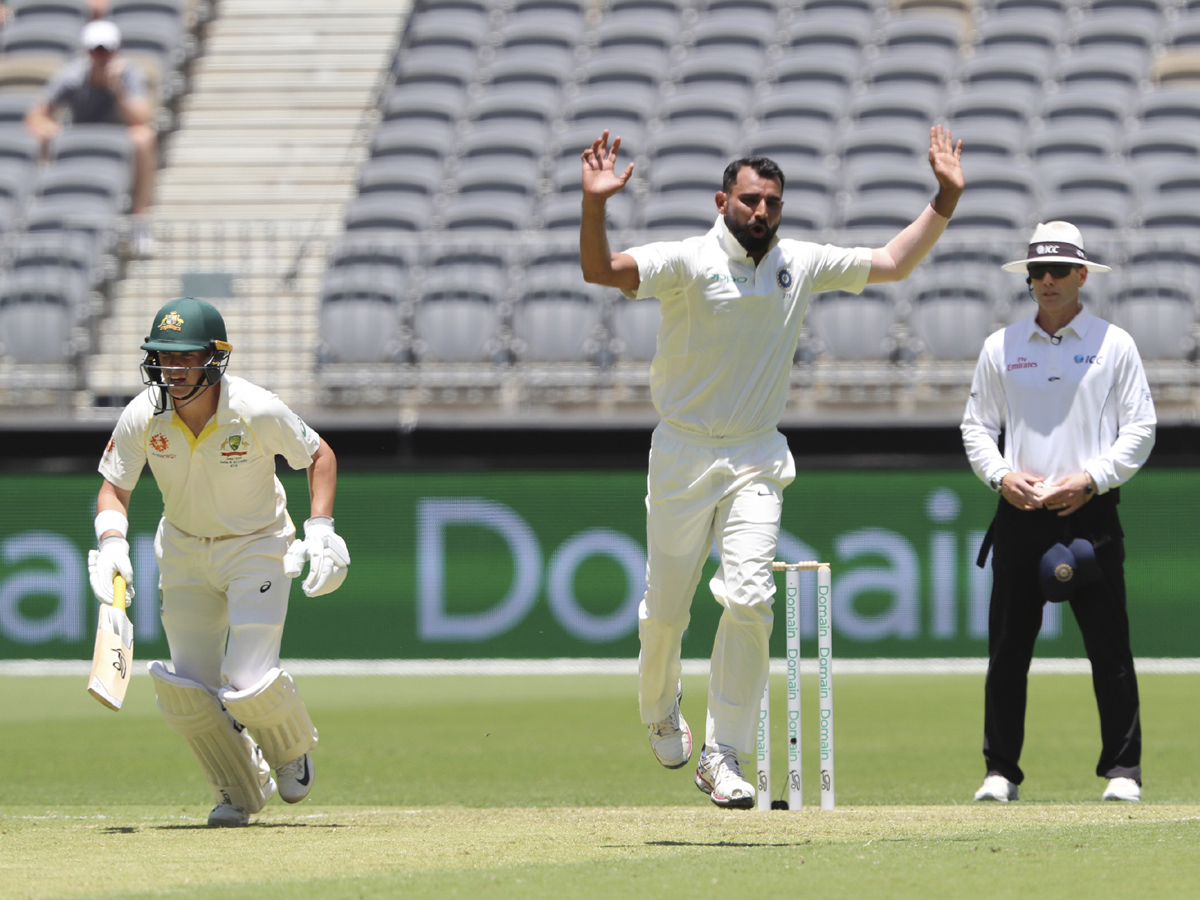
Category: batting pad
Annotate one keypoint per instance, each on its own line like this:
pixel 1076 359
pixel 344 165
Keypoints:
pixel 232 762
pixel 274 712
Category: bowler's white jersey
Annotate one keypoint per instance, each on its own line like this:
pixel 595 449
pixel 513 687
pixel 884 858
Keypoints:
pixel 729 328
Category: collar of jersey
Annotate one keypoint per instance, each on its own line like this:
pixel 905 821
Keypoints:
pixel 1078 326
pixel 731 245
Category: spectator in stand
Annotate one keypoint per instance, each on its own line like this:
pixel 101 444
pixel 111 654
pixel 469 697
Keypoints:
pixel 106 87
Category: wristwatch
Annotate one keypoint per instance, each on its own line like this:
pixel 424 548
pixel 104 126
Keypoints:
pixel 997 482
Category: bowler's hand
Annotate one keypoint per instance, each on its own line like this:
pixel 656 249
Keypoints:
pixel 1022 490
pixel 600 178
pixel 1070 494
pixel 945 158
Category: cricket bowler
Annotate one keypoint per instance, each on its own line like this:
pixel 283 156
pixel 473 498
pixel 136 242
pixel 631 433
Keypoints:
pixel 732 302
pixel 227 553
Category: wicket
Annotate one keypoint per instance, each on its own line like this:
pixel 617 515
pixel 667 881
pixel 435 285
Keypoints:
pixel 824 686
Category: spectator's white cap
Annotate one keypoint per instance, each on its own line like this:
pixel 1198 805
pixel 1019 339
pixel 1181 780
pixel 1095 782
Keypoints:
pixel 101 33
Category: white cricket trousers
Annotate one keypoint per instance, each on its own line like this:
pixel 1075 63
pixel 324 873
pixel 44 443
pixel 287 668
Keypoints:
pixel 701 490
pixel 224 602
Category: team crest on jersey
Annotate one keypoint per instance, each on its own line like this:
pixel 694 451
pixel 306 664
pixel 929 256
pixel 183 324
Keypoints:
pixel 234 445
pixel 172 321
pixel 784 277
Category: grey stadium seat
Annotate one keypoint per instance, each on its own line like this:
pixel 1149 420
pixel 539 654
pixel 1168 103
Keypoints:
pixel 914 102
pixel 456 330
pixel 439 102
pixel 1071 142
pixel 822 105
pixel 1090 210
pixel 34 34
pixel 1018 72
pixel 388 212
pixel 854 327
pixel 556 325
pixel 1160 317
pixel 1038 29
pixel 398 175
pixel 488 210
pixel 360 327
pixel 449 24
pixel 35 330
pixel 950 319
pixel 833 66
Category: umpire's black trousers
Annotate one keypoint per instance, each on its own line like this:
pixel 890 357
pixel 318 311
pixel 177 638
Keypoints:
pixel 1018 541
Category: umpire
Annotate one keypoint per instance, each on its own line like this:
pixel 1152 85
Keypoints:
pixel 1069 391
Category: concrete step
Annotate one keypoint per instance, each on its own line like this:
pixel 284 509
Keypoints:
pixel 250 173
pixel 278 193
pixel 255 208
pixel 221 97
pixel 294 66
pixel 255 152
pixel 258 118
pixel 377 36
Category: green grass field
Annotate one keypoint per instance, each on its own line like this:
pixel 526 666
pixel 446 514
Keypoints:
pixel 545 787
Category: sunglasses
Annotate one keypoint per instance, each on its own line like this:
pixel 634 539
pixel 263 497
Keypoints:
pixel 1056 270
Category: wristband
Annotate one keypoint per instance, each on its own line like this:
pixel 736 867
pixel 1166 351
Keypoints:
pixel 111 520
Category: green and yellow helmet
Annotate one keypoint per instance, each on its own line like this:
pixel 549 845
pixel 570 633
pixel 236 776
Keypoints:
pixel 182 326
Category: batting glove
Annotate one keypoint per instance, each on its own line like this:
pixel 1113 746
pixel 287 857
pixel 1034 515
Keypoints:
pixel 326 553
pixel 111 559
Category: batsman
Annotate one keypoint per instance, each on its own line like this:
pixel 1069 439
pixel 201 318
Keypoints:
pixel 227 552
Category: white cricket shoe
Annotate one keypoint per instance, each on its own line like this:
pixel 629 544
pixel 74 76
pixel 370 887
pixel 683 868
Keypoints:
pixel 295 780
pixel 997 787
pixel 226 815
pixel 720 775
pixel 1123 789
pixel 671 739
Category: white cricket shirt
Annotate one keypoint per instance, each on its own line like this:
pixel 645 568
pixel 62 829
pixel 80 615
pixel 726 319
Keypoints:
pixel 221 482
pixel 1081 405
pixel 729 328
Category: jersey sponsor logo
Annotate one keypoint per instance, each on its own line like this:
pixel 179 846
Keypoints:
pixel 783 277
pixel 172 321
pixel 159 444
pixel 264 587
pixel 725 276
pixel 1021 363
pixel 110 447
pixel 1091 360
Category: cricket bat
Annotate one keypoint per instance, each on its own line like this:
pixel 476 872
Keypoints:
pixel 113 656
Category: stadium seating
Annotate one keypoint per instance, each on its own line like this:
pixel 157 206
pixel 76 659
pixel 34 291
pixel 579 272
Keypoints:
pixel 489 103
pixel 61 219
pixel 1052 99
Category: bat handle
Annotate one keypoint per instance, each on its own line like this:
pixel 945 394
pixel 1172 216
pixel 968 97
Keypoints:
pixel 118 592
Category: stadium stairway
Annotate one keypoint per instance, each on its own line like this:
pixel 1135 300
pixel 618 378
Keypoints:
pixel 268 145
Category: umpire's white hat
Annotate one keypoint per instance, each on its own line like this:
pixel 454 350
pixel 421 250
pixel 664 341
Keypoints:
pixel 1055 242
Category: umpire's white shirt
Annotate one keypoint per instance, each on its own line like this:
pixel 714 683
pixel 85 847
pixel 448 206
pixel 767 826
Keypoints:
pixel 1073 402
pixel 222 481
pixel 729 328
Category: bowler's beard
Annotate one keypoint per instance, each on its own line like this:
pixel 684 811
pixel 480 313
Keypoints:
pixel 752 243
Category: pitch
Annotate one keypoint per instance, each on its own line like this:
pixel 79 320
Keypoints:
pixel 545 787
